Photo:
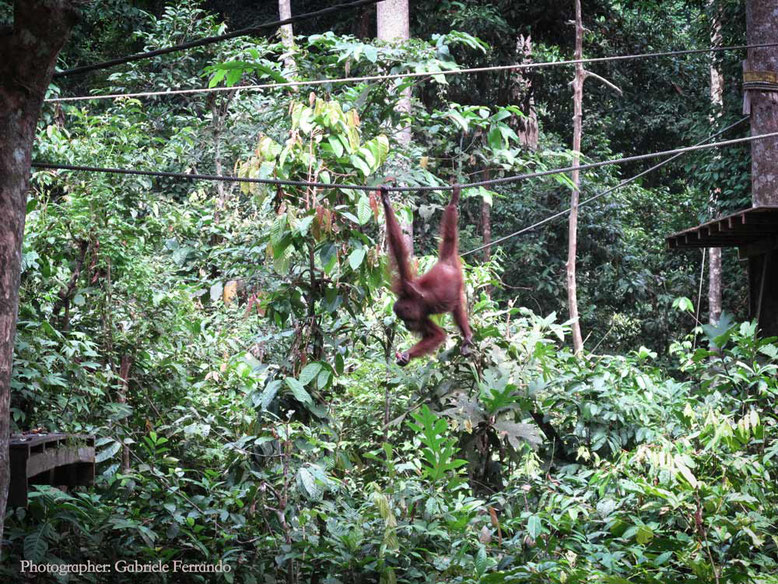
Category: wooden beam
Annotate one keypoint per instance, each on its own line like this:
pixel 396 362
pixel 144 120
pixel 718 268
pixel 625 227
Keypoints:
pixel 54 457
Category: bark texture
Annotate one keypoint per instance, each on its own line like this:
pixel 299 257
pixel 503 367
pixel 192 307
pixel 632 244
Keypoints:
pixel 522 95
pixel 29 49
pixel 717 109
pixel 287 33
pixel 124 382
pixel 762 27
pixel 486 229
pixel 572 243
pixel 393 23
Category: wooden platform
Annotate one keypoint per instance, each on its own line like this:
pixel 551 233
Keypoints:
pixel 49 459
pixel 756 227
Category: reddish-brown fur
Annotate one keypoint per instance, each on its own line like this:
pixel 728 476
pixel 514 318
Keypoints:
pixel 440 290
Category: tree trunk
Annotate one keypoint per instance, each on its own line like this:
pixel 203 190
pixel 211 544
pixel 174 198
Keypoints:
pixel 762 27
pixel 717 102
pixel 287 33
pixel 124 381
pixel 486 229
pixel 393 23
pixel 220 109
pixel 572 244
pixel 29 49
pixel 522 96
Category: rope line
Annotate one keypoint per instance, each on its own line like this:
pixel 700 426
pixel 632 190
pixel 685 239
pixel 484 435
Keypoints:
pixel 213 39
pixel 602 194
pixel 392 76
pixel 422 188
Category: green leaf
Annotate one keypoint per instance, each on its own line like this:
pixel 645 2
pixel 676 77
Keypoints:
pixel 310 488
pixel 481 561
pixel 309 372
pixel 356 257
pixel 35 544
pixel 683 304
pixel 534 526
pixel 107 453
pixel 719 334
pixel 364 212
pixel 644 534
pixel 360 164
pixel 459 119
pixel 299 391
pixel 685 471
pixel 336 144
pixel 323 379
pixel 268 394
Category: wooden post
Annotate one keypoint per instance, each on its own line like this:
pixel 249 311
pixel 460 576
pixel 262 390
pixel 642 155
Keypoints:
pixel 762 27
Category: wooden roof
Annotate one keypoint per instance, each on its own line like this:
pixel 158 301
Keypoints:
pixel 744 228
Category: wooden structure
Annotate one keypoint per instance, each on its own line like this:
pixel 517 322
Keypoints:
pixel 49 459
pixel 755 233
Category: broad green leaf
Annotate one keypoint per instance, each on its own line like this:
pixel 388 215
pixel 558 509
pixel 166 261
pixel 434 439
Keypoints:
pixel 356 257
pixel 364 212
pixel 534 526
pixel 309 372
pixel 299 391
pixel 336 144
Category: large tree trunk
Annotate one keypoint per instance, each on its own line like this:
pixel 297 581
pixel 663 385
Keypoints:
pixel 717 102
pixel 522 96
pixel 29 52
pixel 393 23
pixel 762 27
pixel 572 244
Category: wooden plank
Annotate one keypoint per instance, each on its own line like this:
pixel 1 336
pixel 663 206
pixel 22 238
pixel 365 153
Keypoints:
pixel 36 439
pixel 55 457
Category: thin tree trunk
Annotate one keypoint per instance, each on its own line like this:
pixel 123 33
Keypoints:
pixel 486 229
pixel 717 101
pixel 287 33
pixel 124 381
pixel 29 51
pixel 572 244
pixel 393 24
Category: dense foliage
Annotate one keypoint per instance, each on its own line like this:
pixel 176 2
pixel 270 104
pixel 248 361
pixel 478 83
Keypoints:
pixel 230 345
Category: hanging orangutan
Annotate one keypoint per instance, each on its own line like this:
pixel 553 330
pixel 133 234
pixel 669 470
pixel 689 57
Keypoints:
pixel 440 290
